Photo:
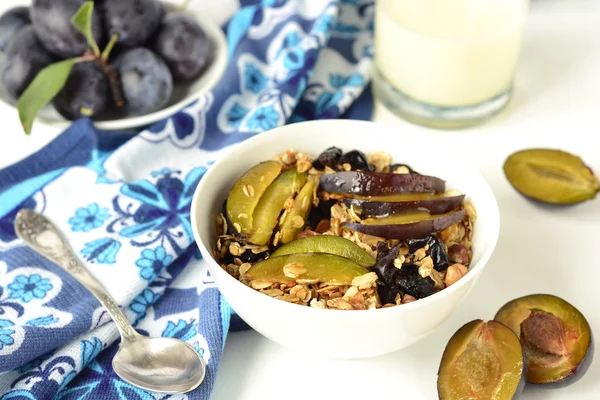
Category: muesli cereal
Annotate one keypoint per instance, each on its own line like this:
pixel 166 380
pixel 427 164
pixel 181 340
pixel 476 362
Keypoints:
pixel 344 231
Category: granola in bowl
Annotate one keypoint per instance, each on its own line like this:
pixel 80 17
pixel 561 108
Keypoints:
pixel 344 231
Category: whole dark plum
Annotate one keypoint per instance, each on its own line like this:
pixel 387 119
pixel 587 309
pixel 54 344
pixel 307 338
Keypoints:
pixel 52 23
pixel 85 94
pixel 146 81
pixel 134 21
pixel 24 58
pixel 11 22
pixel 184 46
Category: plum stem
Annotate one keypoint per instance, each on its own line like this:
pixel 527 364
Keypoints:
pixel 84 58
pixel 115 86
pixel 109 47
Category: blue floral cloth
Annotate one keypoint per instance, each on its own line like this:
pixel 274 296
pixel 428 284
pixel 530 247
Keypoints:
pixel 126 211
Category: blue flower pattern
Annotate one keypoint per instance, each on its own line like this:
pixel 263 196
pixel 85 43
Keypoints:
pixel 146 221
pixel 102 251
pixel 256 82
pixel 88 218
pixel 153 262
pixel 26 288
pixel 264 119
pixel 6 334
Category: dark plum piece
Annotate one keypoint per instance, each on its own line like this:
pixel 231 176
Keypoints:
pixel 393 280
pixel 411 282
pixel 382 208
pixel 394 167
pixel 386 271
pixel 365 183
pixel 11 22
pixel 134 21
pixel 357 160
pixel 85 94
pixel 328 158
pixel 436 251
pixel 556 337
pixel 321 212
pixel 24 58
pixel 52 23
pixel 482 361
pixel 402 227
pixel 145 79
pixel 184 46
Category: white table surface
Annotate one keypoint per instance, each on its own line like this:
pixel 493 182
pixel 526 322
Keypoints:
pixel 541 249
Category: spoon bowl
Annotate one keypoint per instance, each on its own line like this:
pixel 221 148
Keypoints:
pixel 164 365
pixel 159 364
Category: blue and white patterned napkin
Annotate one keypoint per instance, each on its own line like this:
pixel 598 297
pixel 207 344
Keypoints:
pixel 127 211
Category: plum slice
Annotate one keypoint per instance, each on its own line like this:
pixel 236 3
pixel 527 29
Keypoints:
pixel 440 205
pixel 406 225
pixel 482 361
pixel 319 267
pixel 366 183
pixel 298 214
pixel 246 193
pixel 551 176
pixel 329 244
pixel 556 337
pixel 266 213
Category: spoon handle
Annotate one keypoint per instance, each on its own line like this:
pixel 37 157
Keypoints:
pixel 43 237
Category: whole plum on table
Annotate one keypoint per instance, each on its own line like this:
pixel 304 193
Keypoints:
pixel 86 92
pixel 133 21
pixel 25 57
pixel 52 23
pixel 184 46
pixel 11 22
pixel 146 81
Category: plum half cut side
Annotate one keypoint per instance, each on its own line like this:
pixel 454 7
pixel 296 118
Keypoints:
pixel 556 337
pixel 401 227
pixel 382 208
pixel 380 184
pixel 482 361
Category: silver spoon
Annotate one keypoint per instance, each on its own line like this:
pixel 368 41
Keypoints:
pixel 157 364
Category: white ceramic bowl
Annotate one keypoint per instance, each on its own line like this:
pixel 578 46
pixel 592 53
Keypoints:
pixel 336 333
pixel 184 93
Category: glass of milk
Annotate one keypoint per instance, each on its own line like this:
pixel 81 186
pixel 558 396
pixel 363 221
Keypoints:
pixel 447 63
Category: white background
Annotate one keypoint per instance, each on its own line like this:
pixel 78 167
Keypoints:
pixel 541 249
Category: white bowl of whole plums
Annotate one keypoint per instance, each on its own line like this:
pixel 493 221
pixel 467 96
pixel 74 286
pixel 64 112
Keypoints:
pixel 123 64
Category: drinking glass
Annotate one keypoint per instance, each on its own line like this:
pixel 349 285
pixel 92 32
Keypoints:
pixel 447 63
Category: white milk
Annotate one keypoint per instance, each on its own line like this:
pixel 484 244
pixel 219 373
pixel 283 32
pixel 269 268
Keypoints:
pixel 449 52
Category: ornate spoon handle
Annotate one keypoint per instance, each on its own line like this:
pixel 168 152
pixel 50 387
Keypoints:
pixel 42 236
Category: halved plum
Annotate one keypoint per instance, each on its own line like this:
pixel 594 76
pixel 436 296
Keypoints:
pixel 298 214
pixel 329 244
pixel 271 203
pixel 320 267
pixel 555 335
pixel 482 361
pixel 246 193
pixel 382 208
pixel 406 225
pixel 379 183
